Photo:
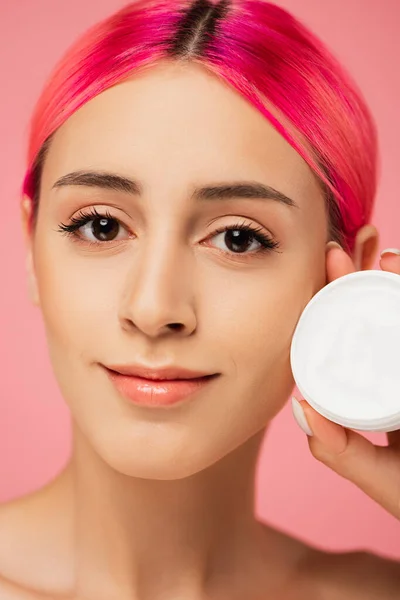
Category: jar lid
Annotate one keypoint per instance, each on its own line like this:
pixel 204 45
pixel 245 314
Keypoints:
pixel 345 354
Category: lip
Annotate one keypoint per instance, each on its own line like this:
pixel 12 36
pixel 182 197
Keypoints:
pixel 160 373
pixel 162 387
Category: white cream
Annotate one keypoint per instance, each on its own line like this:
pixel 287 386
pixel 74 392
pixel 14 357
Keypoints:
pixel 345 351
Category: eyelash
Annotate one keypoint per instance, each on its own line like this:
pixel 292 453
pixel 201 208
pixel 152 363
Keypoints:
pixel 71 229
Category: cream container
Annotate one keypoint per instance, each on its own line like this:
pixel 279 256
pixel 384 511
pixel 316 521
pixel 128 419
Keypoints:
pixel 345 351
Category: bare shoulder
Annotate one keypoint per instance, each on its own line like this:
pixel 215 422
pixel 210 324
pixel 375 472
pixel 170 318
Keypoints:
pixel 316 574
pixel 34 544
pixel 15 533
pixel 355 575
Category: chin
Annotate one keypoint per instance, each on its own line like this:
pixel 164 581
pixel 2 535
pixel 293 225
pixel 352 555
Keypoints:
pixel 154 467
pixel 162 456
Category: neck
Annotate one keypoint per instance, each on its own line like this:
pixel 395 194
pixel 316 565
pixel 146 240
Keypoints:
pixel 153 536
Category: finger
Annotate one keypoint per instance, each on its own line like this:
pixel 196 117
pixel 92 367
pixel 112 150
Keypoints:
pixel 374 469
pixel 338 263
pixel 390 260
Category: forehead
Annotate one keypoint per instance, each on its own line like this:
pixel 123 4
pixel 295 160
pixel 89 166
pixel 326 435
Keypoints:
pixel 178 123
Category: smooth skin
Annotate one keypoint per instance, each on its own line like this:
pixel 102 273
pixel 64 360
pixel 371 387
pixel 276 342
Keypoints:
pixel 159 504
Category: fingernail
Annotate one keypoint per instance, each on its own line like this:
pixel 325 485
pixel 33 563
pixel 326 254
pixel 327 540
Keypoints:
pixel 333 245
pixel 300 417
pixel 391 251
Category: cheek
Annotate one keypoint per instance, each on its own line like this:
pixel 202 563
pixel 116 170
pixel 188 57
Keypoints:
pixel 77 298
pixel 256 319
pixel 254 331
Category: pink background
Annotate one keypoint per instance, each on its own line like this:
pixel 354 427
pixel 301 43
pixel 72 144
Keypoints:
pixel 295 492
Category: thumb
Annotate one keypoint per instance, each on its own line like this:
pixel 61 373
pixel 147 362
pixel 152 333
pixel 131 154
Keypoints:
pixel 374 469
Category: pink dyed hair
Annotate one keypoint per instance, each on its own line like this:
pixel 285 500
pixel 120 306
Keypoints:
pixel 259 49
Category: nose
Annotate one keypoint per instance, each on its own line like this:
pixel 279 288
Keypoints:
pixel 158 295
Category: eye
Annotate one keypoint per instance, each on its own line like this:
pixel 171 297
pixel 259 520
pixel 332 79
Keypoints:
pixel 101 229
pixel 94 227
pixel 244 239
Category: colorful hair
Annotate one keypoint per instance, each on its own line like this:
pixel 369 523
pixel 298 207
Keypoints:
pixel 266 54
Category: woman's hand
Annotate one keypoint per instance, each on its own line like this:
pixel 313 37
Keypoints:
pixel 374 469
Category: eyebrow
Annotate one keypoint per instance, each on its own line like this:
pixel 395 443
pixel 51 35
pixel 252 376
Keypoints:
pixel 113 181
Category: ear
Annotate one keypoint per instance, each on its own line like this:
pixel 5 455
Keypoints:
pixel 26 214
pixel 365 247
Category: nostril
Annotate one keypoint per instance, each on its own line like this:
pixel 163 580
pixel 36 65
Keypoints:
pixel 174 326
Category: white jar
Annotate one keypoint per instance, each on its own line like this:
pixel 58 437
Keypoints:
pixel 345 351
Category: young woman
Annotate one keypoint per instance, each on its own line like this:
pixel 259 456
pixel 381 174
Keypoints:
pixel 189 166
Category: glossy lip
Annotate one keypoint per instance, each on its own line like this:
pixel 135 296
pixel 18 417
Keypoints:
pixel 159 388
pixel 158 373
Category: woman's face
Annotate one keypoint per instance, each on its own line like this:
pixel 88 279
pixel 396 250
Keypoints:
pixel 108 294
